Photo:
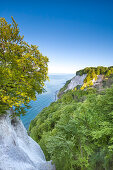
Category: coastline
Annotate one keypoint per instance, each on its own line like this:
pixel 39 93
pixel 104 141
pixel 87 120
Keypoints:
pixel 56 93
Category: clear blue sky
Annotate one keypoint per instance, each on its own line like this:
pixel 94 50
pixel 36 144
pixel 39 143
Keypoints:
pixel 72 33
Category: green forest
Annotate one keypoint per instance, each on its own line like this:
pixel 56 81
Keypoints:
pixel 76 131
pixel 96 70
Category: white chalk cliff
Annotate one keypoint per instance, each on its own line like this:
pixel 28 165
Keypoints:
pixel 77 80
pixel 18 151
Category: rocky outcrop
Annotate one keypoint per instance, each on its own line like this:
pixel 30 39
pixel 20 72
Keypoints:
pixel 18 151
pixel 99 80
pixel 71 84
pixel 75 81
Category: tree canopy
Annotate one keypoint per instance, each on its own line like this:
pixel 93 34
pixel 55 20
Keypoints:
pixel 76 131
pixel 23 69
pixel 93 71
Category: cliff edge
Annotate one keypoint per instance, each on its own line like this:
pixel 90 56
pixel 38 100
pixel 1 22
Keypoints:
pixel 18 151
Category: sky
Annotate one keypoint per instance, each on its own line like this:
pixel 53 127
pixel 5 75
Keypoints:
pixel 73 34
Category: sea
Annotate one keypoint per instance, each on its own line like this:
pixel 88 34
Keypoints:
pixel 56 81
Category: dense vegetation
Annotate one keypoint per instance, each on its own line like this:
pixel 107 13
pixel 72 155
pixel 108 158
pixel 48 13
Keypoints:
pixel 76 132
pixel 93 72
pixel 23 69
pixel 62 90
pixel 97 70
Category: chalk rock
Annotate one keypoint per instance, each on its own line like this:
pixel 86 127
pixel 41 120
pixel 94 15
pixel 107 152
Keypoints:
pixel 18 151
pixel 77 80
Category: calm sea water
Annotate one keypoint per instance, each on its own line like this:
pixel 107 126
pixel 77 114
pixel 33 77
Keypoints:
pixel 45 99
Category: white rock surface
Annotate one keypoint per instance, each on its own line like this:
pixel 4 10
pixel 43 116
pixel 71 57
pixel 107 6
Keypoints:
pixel 99 79
pixel 77 80
pixel 18 151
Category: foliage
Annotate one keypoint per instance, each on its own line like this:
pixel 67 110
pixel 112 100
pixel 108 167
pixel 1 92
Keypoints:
pixel 97 70
pixel 92 74
pixel 61 91
pixel 23 69
pixel 77 133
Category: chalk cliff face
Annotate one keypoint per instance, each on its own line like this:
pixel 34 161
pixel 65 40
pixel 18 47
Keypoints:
pixel 18 151
pixel 77 80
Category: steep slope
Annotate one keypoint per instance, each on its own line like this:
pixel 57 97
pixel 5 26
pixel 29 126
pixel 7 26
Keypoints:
pixel 75 81
pixel 18 151
pixel 89 76
pixel 76 130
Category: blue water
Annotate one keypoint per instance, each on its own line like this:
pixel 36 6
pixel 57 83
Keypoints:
pixel 44 100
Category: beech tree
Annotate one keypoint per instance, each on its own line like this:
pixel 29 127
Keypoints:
pixel 23 69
